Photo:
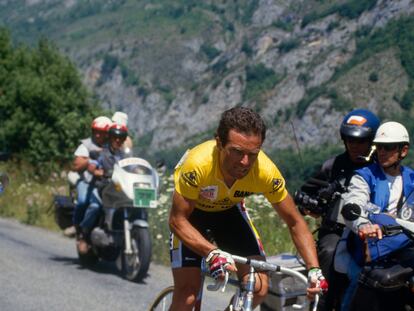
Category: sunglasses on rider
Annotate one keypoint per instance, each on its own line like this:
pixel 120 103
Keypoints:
pixel 387 147
pixel 357 140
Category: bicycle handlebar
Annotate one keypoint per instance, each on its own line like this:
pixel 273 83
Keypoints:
pixel 261 265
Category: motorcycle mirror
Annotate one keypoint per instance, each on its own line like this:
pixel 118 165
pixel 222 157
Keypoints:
pixel 351 211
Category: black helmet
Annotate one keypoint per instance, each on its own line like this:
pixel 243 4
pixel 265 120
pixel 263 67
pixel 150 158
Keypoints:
pixel 118 131
pixel 359 123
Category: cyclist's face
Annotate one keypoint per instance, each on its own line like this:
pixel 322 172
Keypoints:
pixel 239 154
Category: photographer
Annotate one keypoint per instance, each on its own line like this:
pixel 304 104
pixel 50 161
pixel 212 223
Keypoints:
pixel 320 196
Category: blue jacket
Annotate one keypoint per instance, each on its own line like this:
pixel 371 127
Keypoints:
pixel 380 195
pixel 378 184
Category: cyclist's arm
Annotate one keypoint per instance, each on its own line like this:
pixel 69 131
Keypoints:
pixel 183 229
pixel 299 231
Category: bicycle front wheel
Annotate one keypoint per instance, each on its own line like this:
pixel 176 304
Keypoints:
pixel 163 300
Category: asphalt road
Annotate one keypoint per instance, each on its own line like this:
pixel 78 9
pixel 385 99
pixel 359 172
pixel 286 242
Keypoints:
pixel 39 270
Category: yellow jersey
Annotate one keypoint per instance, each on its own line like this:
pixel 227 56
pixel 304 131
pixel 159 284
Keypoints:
pixel 198 177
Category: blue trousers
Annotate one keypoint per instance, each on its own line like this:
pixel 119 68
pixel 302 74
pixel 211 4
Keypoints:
pixel 88 205
pixel 82 199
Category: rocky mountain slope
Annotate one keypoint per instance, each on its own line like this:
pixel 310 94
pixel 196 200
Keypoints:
pixel 174 66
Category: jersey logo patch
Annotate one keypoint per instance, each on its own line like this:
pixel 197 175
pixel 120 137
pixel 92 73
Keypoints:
pixel 277 183
pixel 242 194
pixel 209 192
pixel 190 178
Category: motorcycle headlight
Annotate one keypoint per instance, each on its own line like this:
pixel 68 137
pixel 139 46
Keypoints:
pixel 142 185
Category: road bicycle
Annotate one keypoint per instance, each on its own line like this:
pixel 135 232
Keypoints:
pixel 243 297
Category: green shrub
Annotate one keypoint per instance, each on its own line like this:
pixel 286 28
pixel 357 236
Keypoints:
pixel 246 48
pixel 210 51
pixel 373 77
pixel 129 76
pixel 259 79
pixel 407 100
pixel 350 9
pixel 219 67
pixel 284 25
pixel 310 96
pixel 339 103
pixel 354 8
pixel 332 25
pixel 248 11
pixel 288 45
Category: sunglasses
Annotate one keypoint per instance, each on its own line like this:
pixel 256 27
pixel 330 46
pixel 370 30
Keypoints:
pixel 387 147
pixel 355 140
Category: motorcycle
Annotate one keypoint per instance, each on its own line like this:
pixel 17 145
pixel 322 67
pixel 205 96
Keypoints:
pixel 122 230
pixel 386 282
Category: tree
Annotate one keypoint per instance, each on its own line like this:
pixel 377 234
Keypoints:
pixel 44 108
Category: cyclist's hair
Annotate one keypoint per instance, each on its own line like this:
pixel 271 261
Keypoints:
pixel 243 120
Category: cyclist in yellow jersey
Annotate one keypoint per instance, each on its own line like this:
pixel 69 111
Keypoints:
pixel 211 181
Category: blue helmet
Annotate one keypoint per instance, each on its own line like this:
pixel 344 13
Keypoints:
pixel 359 123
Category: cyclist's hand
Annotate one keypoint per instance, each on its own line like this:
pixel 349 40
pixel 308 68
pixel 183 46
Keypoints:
pixel 317 284
pixel 219 262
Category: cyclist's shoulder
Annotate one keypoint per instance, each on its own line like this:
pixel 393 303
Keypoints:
pixel 201 158
pixel 265 167
pixel 203 153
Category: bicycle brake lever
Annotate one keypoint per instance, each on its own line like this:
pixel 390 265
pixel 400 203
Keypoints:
pixel 219 285
pixel 302 306
pixel 315 304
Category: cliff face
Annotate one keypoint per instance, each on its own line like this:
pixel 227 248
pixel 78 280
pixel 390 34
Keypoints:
pixel 174 66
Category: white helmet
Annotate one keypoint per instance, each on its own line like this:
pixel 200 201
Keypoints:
pixel 120 118
pixel 391 132
pixel 101 123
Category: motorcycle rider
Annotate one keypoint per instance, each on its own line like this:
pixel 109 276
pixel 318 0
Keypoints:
pixel 88 148
pixel 320 195
pixel 121 118
pixel 103 166
pixel 389 186
pixel 101 169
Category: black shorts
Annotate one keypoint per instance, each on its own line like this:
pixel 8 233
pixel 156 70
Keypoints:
pixel 231 230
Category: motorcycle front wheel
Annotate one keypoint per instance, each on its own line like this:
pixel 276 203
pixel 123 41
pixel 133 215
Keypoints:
pixel 136 265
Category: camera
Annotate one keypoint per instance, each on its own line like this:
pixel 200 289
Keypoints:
pixel 318 204
pixel 305 202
